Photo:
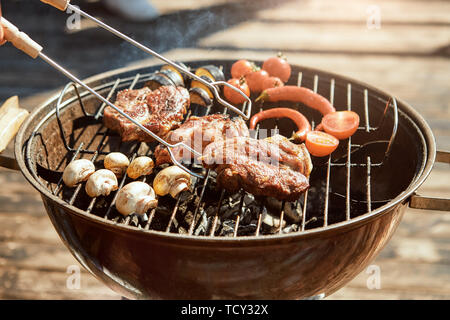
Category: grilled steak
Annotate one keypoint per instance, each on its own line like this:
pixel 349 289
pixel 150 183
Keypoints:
pixel 159 110
pixel 198 132
pixel 270 167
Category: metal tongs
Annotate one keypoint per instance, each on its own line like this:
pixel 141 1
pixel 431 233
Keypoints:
pixel 24 43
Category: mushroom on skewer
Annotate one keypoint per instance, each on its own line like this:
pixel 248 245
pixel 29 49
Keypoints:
pixel 136 197
pixel 171 180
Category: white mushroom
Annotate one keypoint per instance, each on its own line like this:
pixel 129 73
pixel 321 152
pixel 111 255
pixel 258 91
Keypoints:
pixel 77 171
pixel 141 166
pixel 171 180
pixel 116 162
pixel 101 183
pixel 136 197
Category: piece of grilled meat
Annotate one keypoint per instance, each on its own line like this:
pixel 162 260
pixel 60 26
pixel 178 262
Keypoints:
pixel 159 110
pixel 198 132
pixel 272 167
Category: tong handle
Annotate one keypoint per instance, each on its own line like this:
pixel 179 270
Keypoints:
pixel 20 39
pixel 58 4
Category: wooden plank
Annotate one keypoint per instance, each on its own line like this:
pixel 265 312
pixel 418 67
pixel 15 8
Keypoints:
pixel 25 228
pixel 38 256
pixel 19 196
pixel 348 11
pixel 396 275
pixel 409 278
pixel 352 293
pixel 417 250
pixel 424 224
pixel 167 7
pixel 329 37
pixel 36 284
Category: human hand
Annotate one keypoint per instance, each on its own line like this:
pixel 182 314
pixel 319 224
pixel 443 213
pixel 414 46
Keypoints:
pixel 2 40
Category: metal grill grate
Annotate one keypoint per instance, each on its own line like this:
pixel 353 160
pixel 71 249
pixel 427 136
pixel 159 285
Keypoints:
pixel 146 221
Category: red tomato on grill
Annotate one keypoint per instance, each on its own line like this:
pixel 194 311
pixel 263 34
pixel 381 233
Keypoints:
pixel 241 68
pixel 341 124
pixel 278 67
pixel 256 79
pixel 233 96
pixel 320 144
pixel 272 82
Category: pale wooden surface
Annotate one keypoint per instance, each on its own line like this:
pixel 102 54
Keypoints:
pixel 408 56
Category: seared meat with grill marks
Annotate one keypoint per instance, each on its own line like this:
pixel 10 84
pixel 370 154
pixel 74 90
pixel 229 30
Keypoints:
pixel 159 110
pixel 198 132
pixel 269 167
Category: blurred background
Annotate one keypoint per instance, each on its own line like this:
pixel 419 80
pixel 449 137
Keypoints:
pixel 401 46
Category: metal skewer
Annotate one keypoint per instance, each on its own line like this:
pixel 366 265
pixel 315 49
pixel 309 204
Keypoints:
pixel 23 42
pixel 63 5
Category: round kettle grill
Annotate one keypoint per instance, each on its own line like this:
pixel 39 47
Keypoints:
pixel 210 244
pixel 356 200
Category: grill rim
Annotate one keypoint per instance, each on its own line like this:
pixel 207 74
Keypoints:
pixel 428 159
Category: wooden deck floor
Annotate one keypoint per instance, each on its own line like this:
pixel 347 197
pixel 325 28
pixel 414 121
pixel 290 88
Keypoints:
pixel 407 56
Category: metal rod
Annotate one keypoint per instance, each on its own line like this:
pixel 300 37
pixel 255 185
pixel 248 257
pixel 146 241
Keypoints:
pixel 211 85
pixel 305 201
pixel 299 79
pixel 394 130
pixel 109 96
pixel 236 225
pixel 327 187
pixel 200 200
pixel 238 216
pixel 368 187
pixel 332 87
pixel 348 162
pixel 150 219
pixel 58 116
pixel 327 194
pixel 366 109
pixel 258 225
pixel 216 216
pixel 280 228
pixel 174 212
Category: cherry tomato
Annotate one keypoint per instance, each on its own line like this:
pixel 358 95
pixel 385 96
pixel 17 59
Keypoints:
pixel 272 82
pixel 255 80
pixel 241 68
pixel 341 124
pixel 320 144
pixel 278 67
pixel 233 96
